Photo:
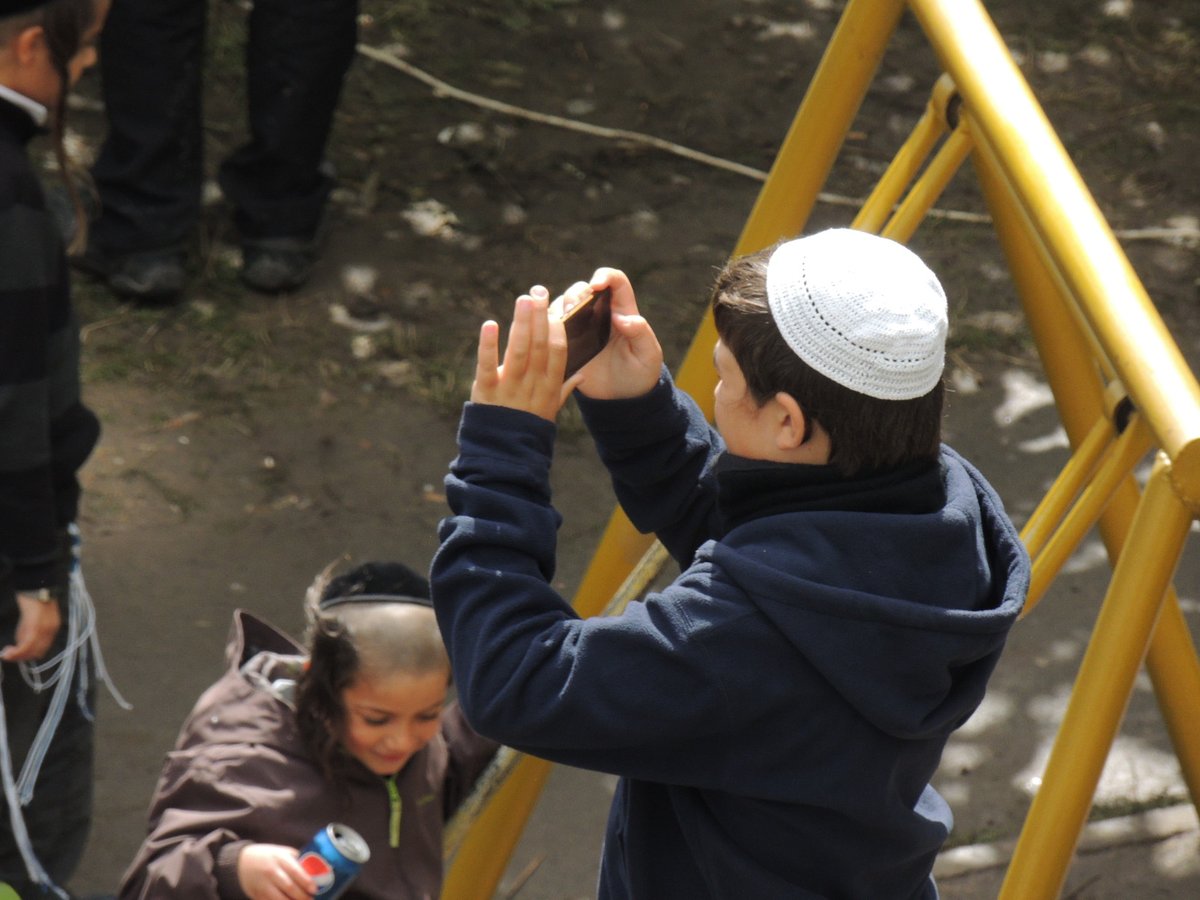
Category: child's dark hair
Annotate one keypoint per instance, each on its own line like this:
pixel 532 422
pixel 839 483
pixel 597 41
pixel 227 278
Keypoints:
pixel 64 23
pixel 865 434
pixel 372 619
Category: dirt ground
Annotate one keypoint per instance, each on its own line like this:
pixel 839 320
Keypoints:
pixel 250 440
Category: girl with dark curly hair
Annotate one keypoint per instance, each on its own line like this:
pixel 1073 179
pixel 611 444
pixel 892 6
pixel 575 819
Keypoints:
pixel 353 728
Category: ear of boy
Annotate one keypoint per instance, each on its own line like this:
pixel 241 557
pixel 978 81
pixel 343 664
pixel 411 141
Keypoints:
pixel 23 59
pixel 31 44
pixel 791 426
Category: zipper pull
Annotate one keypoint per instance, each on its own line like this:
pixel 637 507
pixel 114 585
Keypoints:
pixel 396 808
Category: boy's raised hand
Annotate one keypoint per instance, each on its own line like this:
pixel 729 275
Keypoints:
pixel 632 362
pixel 531 376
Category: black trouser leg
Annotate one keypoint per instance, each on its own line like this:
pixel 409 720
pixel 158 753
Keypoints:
pixel 59 816
pixel 296 60
pixel 149 172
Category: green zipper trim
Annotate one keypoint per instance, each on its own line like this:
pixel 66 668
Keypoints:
pixel 396 808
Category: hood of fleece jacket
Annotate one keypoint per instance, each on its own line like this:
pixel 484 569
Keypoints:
pixel 905 615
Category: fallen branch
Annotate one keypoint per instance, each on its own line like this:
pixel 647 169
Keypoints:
pixel 1188 235
pixel 442 89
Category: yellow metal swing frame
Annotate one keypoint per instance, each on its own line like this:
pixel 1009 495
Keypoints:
pixel 1121 386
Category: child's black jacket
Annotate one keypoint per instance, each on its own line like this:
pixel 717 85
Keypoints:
pixel 46 433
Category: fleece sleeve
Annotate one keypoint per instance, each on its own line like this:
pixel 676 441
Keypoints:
pixel 659 451
pixel 625 694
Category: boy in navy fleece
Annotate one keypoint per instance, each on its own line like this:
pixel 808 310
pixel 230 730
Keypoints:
pixel 847 585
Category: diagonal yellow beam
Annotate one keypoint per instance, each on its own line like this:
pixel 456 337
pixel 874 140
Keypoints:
pixel 1102 689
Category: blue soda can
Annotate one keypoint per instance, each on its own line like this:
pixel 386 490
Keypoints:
pixel 332 859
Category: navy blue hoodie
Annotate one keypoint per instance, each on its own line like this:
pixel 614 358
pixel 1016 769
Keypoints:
pixel 777 712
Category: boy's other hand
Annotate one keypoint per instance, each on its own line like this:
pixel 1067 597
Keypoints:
pixel 36 628
pixel 632 362
pixel 531 376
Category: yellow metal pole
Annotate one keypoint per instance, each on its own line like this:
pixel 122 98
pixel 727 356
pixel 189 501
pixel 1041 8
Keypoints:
pixel 901 171
pixel 1101 692
pixel 1074 377
pixel 929 186
pixel 805 158
pixel 1065 351
pixel 1117 467
pixel 1073 229
pixel 1044 519
pixel 819 128
pixel 1174 670
pixel 483 856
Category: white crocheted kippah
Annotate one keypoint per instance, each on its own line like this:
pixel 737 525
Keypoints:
pixel 861 310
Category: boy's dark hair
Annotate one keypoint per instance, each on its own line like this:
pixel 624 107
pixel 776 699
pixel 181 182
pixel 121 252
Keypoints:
pixel 347 636
pixel 64 23
pixel 866 434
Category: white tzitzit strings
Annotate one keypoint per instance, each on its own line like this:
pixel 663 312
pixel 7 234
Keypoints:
pixel 71 663
pixel 33 866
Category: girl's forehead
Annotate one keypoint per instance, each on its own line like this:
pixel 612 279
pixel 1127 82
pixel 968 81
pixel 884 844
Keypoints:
pixel 398 690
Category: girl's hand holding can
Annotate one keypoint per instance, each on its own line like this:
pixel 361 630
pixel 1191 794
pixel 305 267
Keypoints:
pixel 273 872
